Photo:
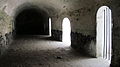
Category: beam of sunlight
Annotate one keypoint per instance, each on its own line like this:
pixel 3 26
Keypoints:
pixel 66 38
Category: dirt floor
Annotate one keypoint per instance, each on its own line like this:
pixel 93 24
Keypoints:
pixel 34 51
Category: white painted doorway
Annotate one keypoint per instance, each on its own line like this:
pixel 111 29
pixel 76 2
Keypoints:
pixel 66 38
pixel 104 32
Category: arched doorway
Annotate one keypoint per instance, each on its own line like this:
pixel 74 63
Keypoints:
pixel 66 38
pixel 32 21
pixel 104 32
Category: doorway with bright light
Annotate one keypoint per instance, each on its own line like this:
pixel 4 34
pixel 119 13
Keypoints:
pixel 66 38
pixel 104 33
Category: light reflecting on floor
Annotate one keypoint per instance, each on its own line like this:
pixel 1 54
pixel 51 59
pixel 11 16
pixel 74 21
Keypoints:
pixel 35 51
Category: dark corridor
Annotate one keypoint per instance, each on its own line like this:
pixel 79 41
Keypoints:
pixel 32 21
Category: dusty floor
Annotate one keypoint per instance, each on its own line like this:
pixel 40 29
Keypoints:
pixel 33 51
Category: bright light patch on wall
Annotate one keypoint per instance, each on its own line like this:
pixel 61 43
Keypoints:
pixel 66 38
pixel 49 26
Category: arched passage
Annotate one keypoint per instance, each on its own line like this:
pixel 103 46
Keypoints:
pixel 66 38
pixel 104 32
pixel 32 21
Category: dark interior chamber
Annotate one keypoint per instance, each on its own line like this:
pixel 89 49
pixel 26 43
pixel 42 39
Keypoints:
pixel 32 21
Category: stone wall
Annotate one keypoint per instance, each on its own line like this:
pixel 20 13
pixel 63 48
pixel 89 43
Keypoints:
pixel 116 34
pixel 84 43
pixel 5 32
pixel 56 35
pixel 82 15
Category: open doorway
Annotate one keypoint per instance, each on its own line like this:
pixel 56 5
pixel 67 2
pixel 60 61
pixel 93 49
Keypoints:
pixel 50 26
pixel 104 32
pixel 66 38
pixel 32 21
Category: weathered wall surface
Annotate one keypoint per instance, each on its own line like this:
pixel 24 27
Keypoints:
pixel 79 12
pixel 82 14
pixel 5 31
pixel 116 33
